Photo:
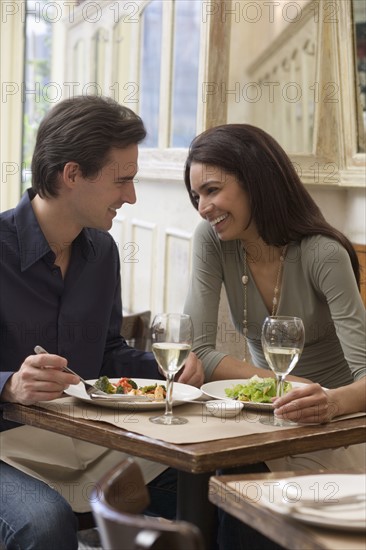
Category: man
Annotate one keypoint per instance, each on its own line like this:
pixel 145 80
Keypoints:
pixel 60 289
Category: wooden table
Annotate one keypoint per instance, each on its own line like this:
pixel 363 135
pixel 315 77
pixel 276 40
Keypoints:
pixel 289 533
pixel 195 462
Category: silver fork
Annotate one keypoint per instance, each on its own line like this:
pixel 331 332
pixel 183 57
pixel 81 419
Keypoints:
pixel 89 388
pixel 357 498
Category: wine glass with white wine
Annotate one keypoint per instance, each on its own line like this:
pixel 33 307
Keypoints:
pixel 171 335
pixel 282 341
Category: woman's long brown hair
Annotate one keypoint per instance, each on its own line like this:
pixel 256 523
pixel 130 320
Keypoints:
pixel 281 207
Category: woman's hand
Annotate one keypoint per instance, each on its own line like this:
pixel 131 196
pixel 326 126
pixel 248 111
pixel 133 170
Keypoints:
pixel 192 372
pixel 310 403
pixel 40 378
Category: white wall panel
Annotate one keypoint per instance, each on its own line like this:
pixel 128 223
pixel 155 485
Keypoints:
pixel 177 268
pixel 164 212
pixel 117 230
pixel 140 253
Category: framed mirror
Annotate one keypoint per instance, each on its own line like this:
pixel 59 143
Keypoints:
pixel 359 30
pixel 297 70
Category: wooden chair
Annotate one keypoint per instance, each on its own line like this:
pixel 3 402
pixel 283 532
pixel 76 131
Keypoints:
pixel 117 504
pixel 135 329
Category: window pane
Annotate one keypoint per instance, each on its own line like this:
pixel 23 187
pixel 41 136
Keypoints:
pixel 39 95
pixel 185 72
pixel 79 62
pixel 150 71
pixel 98 60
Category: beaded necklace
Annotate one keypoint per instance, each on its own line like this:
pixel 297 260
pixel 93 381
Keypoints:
pixel 276 291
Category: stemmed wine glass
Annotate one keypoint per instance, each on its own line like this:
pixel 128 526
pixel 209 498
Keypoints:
pixel 171 336
pixel 282 341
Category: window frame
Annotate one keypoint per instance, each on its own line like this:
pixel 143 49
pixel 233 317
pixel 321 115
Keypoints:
pixel 167 163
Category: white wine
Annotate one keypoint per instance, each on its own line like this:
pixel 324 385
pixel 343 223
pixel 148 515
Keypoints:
pixel 171 357
pixel 281 360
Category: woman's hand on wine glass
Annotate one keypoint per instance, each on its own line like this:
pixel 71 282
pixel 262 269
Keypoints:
pixel 192 372
pixel 282 340
pixel 309 404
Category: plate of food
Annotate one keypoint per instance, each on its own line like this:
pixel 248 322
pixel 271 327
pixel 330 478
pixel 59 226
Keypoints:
pixel 136 393
pixel 254 393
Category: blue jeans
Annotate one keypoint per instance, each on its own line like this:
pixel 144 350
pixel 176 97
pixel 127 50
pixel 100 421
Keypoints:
pixel 163 495
pixel 35 517
pixel 32 515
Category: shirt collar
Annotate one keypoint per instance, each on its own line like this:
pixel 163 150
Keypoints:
pixel 32 243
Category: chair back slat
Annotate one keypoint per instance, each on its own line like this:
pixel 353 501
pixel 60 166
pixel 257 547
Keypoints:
pixel 135 329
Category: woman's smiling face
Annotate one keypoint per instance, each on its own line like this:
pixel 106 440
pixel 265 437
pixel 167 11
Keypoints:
pixel 221 200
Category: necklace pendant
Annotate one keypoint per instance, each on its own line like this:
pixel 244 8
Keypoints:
pixel 245 279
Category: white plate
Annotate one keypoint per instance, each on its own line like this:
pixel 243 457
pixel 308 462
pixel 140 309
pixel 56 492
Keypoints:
pixel 181 394
pixel 287 495
pixel 217 390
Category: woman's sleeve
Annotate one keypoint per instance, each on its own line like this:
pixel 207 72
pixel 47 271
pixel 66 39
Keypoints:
pixel 202 301
pixel 333 277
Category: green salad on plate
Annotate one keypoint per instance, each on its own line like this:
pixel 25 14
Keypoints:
pixel 256 390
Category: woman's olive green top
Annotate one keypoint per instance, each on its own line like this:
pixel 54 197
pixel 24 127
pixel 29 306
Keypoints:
pixel 318 285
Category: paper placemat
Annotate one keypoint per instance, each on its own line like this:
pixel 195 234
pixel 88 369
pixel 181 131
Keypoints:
pixel 201 425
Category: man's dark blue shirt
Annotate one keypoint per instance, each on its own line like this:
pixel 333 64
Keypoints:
pixel 78 317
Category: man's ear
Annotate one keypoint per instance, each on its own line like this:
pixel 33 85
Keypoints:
pixel 70 171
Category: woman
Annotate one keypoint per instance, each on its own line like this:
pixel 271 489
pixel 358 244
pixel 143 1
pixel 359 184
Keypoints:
pixel 261 225
pixel 266 240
